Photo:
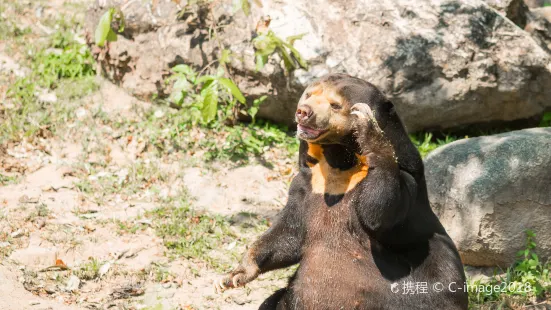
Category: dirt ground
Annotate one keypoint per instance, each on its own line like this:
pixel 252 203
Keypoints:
pixel 54 228
pixel 98 216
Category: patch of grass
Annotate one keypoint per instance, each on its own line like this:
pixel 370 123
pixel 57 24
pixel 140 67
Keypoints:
pixel 426 143
pixel 130 227
pixel 158 272
pixel 546 120
pixel 42 210
pixel 8 27
pixel 58 61
pixel 65 58
pixel 216 240
pixel 143 175
pixel 76 88
pixel 7 179
pixel 166 130
pixel 527 282
pixel 88 270
pixel 245 141
pixel 191 234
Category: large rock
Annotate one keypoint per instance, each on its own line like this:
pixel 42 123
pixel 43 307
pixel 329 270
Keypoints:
pixel 539 26
pixel 487 191
pixel 537 21
pixel 444 63
pixel 515 10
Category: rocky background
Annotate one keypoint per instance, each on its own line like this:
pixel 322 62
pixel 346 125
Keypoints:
pixel 454 65
pixel 444 64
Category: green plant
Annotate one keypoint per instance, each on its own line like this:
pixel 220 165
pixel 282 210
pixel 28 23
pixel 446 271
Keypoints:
pixel 42 210
pixel 68 61
pixel 425 142
pixel 6 179
pixel 88 270
pixel 529 269
pixel 104 31
pixel 158 272
pixel 256 105
pixel 244 141
pixel 189 233
pixel 546 120
pixel 266 44
pixel 204 93
pixel 527 278
pixel 244 5
pixel 59 60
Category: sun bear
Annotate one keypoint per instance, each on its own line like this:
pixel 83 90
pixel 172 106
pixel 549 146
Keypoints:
pixel 358 220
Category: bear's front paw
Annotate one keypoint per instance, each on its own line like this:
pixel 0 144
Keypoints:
pixel 366 129
pixel 362 110
pixel 365 118
pixel 234 279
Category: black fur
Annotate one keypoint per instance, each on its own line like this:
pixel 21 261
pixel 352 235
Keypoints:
pixel 352 247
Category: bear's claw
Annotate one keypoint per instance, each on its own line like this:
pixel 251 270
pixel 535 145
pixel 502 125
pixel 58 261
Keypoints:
pixel 362 110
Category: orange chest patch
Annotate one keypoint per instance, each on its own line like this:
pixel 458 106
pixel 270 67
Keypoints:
pixel 334 181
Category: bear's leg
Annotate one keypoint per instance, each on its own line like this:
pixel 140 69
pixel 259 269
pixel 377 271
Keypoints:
pixel 275 301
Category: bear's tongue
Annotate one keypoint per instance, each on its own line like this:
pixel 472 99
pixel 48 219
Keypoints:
pixel 308 129
pixel 311 132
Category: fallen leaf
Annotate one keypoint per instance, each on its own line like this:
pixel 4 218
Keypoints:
pixel 60 263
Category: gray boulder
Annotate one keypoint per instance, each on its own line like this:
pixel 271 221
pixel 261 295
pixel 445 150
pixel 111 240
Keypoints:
pixel 537 21
pixel 515 10
pixel 443 63
pixel 487 191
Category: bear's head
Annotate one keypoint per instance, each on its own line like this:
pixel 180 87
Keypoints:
pixel 323 113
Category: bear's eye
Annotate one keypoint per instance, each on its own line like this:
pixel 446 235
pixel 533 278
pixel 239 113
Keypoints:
pixel 308 95
pixel 335 106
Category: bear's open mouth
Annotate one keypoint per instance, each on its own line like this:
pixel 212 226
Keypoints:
pixel 308 133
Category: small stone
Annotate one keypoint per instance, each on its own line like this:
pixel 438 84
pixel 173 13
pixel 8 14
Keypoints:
pixel 73 283
pixel 104 269
pixel 159 114
pixel 80 113
pixel 18 233
pixel 27 199
pixel 47 98
pixel 4 244
pixel 50 289
pixel 40 223
pixel 240 300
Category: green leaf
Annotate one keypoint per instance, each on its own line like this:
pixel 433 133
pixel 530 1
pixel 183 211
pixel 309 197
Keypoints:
pixel 182 84
pixel 246 7
pixel 204 79
pixel 261 61
pixel 181 69
pixel 111 36
pixel 287 60
pixel 291 40
pixel 210 105
pixel 224 56
pixel 103 28
pixel 234 90
pixel 177 97
pixel 122 21
pixel 297 56
pixel 265 44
